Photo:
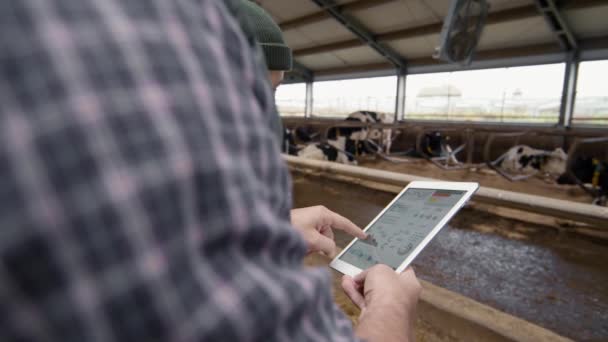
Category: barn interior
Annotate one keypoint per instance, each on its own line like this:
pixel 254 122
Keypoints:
pixel 524 260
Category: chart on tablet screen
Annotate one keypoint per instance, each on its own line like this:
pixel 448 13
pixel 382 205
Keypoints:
pixel 402 227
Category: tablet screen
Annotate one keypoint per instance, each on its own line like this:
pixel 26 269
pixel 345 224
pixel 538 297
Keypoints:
pixel 402 227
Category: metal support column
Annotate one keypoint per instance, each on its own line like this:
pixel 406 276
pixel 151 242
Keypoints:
pixel 400 98
pixel 570 45
pixel 298 74
pixel 569 90
pixel 309 100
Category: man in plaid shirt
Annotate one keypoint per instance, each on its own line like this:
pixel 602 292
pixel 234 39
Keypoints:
pixel 142 193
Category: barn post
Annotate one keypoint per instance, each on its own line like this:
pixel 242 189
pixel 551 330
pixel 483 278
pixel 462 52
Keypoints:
pixel 569 90
pixel 400 98
pixel 309 99
pixel 563 33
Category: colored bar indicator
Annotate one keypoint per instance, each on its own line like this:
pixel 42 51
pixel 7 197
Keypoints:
pixel 441 194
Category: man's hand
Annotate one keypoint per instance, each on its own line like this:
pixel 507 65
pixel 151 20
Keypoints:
pixel 316 224
pixel 387 301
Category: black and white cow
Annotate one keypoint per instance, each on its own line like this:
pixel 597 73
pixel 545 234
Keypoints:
pixel 590 171
pixel 527 160
pixel 289 145
pixel 344 143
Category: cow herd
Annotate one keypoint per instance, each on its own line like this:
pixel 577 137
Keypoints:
pixel 343 144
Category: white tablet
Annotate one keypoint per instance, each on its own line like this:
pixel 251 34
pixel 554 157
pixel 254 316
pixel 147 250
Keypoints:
pixel 398 234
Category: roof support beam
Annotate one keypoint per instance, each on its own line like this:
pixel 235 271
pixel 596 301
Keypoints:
pixel 485 55
pixel 322 15
pixel 304 20
pixel 355 69
pixel 517 13
pixel 557 24
pixel 307 74
pixel 361 32
pixel 343 45
pixel 481 55
pixel 299 73
pixel 580 4
pixel 366 4
pixel 434 28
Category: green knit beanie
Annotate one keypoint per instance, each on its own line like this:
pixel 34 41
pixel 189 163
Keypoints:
pixel 269 36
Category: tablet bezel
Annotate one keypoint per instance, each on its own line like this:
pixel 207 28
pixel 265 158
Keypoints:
pixel 470 188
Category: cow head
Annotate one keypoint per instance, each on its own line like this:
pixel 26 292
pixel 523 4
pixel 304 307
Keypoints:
pixel 433 143
pixel 583 168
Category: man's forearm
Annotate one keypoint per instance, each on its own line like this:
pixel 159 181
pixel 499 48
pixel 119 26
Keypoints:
pixel 386 323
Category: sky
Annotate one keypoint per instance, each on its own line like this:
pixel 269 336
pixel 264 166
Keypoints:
pixel 593 79
pixel 544 81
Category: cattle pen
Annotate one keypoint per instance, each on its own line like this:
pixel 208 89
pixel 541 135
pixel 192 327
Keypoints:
pixel 595 216
pixel 386 92
pixel 534 270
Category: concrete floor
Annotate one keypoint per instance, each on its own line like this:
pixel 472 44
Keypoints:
pixel 557 281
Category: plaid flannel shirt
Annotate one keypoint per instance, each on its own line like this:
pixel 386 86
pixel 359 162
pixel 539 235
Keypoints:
pixel 142 193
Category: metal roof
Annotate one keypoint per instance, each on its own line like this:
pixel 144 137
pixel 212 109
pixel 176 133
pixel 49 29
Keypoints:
pixel 332 38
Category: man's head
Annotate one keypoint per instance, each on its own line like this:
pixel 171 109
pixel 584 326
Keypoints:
pixel 270 38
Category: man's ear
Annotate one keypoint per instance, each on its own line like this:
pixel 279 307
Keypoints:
pixel 276 78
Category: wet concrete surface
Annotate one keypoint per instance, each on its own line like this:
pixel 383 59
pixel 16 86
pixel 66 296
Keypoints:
pixel 556 281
